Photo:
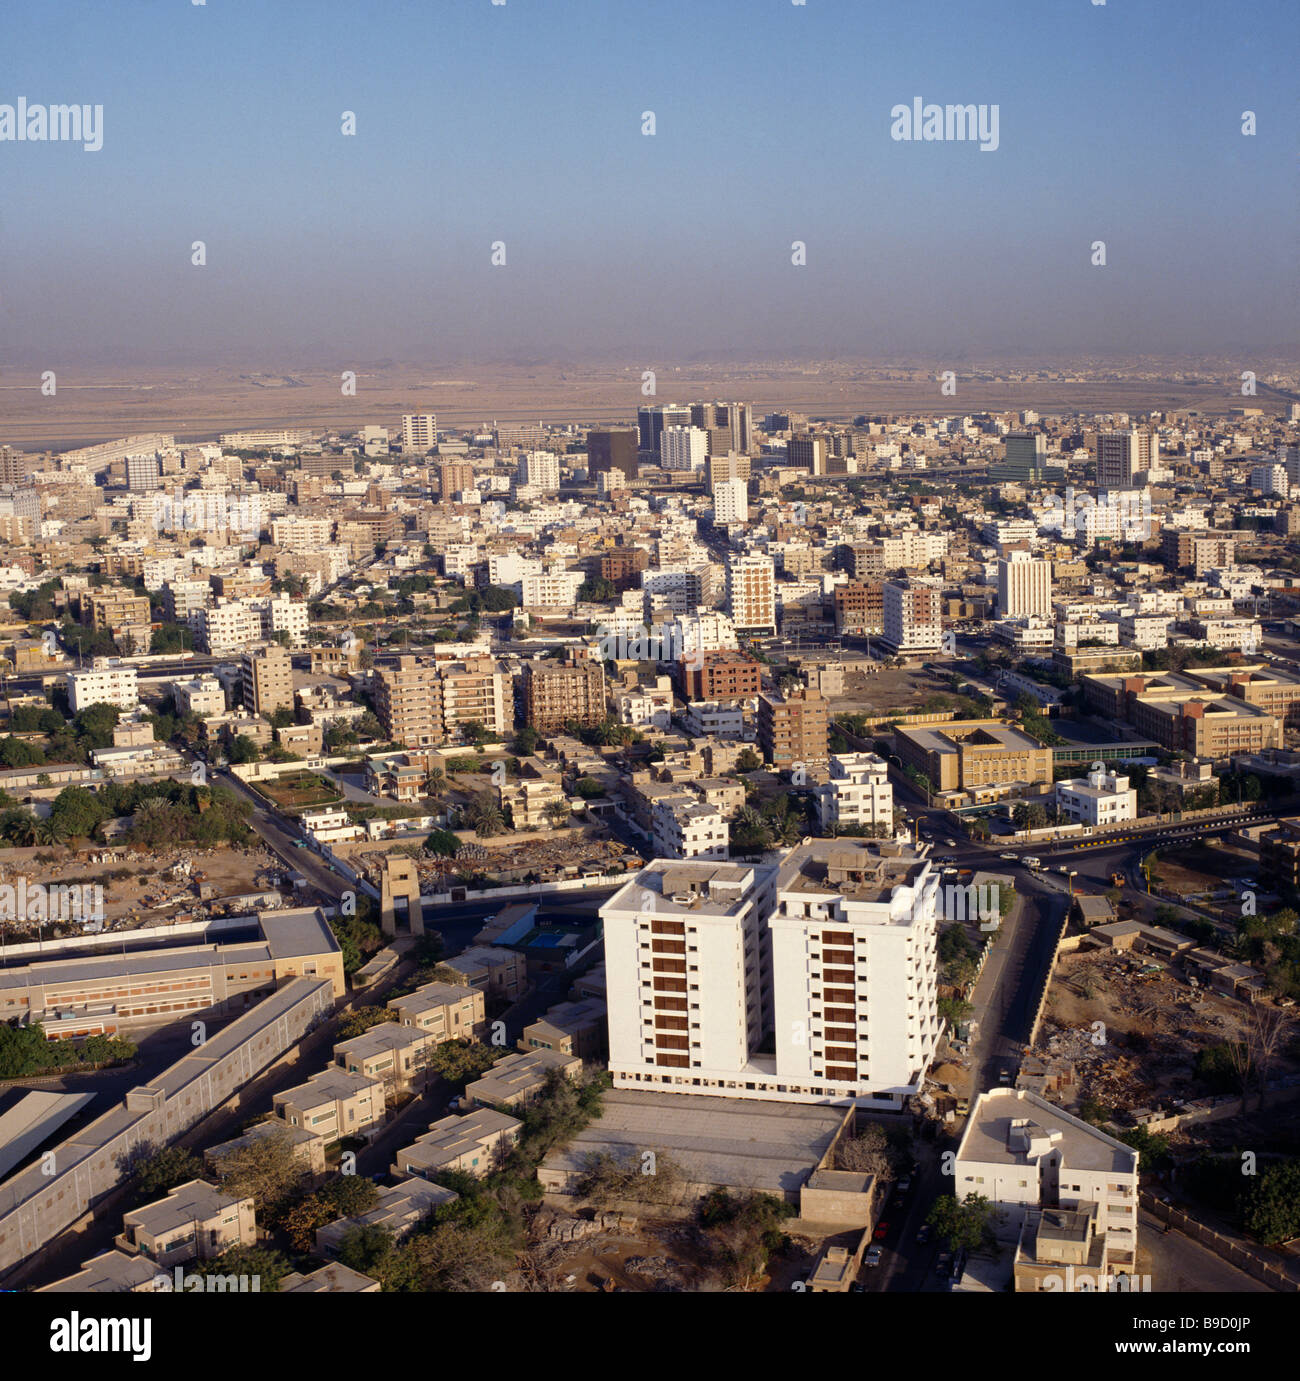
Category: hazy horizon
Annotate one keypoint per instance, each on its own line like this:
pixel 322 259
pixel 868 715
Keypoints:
pixel 521 123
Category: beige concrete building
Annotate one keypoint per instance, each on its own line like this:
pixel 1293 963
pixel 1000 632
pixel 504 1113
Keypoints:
pixel 499 973
pixel 391 1054
pixel 266 680
pixel 793 730
pixel 195 1220
pixel 520 1078
pixel 471 1142
pixel 966 753
pixel 559 693
pixel 572 1028
pixel 400 1208
pixel 445 1011
pixel 333 1104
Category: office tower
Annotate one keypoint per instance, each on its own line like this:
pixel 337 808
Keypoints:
pixel 731 425
pixel 143 473
pixel 540 469
pixel 683 448
pixel 807 452
pixel 266 680
pixel 612 448
pixel 751 594
pixel 731 502
pixel 15 465
pixel 726 467
pixel 1024 459
pixel 419 431
pixel 912 617
pixel 454 477
pixel 523 437
pixel 793 729
pixel 557 694
pixel 1123 456
pixel 811 982
pixel 652 422
pixel 1024 586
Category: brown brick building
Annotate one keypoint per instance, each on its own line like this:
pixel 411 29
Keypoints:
pixel 721 675
pixel 794 729
pixel 558 693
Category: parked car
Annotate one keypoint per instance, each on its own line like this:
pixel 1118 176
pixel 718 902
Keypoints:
pixel 904 1187
pixel 881 1232
pixel 873 1257
pixel 923 1234
pixel 950 843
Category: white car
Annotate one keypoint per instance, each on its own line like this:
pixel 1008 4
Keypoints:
pixel 873 1257
pixel 1009 858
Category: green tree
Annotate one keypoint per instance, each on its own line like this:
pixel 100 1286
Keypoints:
pixel 244 749
pixel 1270 1209
pixel 162 1169
pixel 965 1226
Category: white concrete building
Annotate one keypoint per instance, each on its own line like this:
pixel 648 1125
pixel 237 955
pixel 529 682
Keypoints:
pixel 419 431
pixel 912 618
pixel 1023 1153
pixel 1100 798
pixel 731 502
pixel 1024 586
pixel 685 827
pixel 203 696
pixel 228 626
pixel 683 448
pixel 540 470
pixel 108 686
pixel 858 793
pixel 751 594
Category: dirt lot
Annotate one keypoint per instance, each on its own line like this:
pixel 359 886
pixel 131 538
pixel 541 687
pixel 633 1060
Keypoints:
pixel 1144 1050
pixel 1200 868
pixel 142 896
pixel 888 689
pixel 300 791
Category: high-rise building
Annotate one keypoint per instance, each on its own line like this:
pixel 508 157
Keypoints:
pixel 560 693
pixel 454 477
pixel 1024 586
pixel 540 470
pixel 793 729
pixel 731 425
pixel 1270 480
pixel 1024 459
pixel 266 680
pixel 726 467
pixel 807 452
pixel 15 465
pixel 812 983
pixel 652 422
pixel 612 448
pixel 751 594
pixel 143 473
pixel 913 617
pixel 731 502
pixel 419 431
pixel 408 703
pixel 1123 456
pixel 683 448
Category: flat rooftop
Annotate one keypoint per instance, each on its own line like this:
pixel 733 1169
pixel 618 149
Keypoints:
pixel 738 1143
pixel 681 888
pixel 991 1139
pixel 862 870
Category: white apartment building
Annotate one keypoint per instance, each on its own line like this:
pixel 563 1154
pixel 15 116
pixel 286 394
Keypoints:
pixel 731 502
pixel 1100 798
pixel 671 591
pixel 683 448
pixel 836 954
pixel 913 549
pixel 1024 1154
pixel 228 626
pixel 858 793
pixel 550 590
pixel 106 686
pixel 301 533
pixel 1231 633
pixel 540 470
pixel 1144 631
pixel 751 594
pixel 419 431
pixel 647 708
pixel 1024 586
pixel 181 598
pixel 726 719
pixel 1271 479
pixel 685 827
pixel 510 568
pixel 280 614
pixel 203 696
pixel 1025 634
pixel 913 621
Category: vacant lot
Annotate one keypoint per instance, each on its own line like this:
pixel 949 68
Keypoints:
pixel 1202 867
pixel 300 791
pixel 890 690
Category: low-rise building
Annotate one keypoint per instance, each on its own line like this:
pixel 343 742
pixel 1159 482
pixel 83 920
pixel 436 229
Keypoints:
pixel 472 1142
pixel 445 1011
pixel 572 1028
pixel 195 1220
pixel 499 973
pixel 400 1208
pixel 857 794
pixel 394 1055
pixel 519 1078
pixel 333 1104
pixel 1100 798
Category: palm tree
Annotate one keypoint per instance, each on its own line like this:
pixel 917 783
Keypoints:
pixel 557 813
pixel 48 831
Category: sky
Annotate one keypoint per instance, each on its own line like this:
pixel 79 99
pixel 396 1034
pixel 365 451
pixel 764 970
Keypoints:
pixel 521 123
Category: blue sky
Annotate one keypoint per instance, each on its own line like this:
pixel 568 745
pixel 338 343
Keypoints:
pixel 522 123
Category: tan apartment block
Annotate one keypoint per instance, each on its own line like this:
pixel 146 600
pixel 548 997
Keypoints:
pixel 195 1220
pixel 571 1028
pixel 520 1078
pixel 333 1104
pixel 445 1011
pixel 557 693
pixel 396 1056
pixel 471 1142
pixel 266 680
pixel 400 1208
pixel 793 729
pixel 500 973
pixel 308 1148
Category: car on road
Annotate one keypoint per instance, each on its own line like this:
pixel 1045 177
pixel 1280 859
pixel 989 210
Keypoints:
pixel 1033 863
pixel 1063 868
pixel 881 1232
pixel 950 843
pixel 904 1187
pixel 923 1234
pixel 873 1257
pixel 1009 858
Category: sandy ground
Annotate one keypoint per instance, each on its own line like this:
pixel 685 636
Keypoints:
pixel 101 403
